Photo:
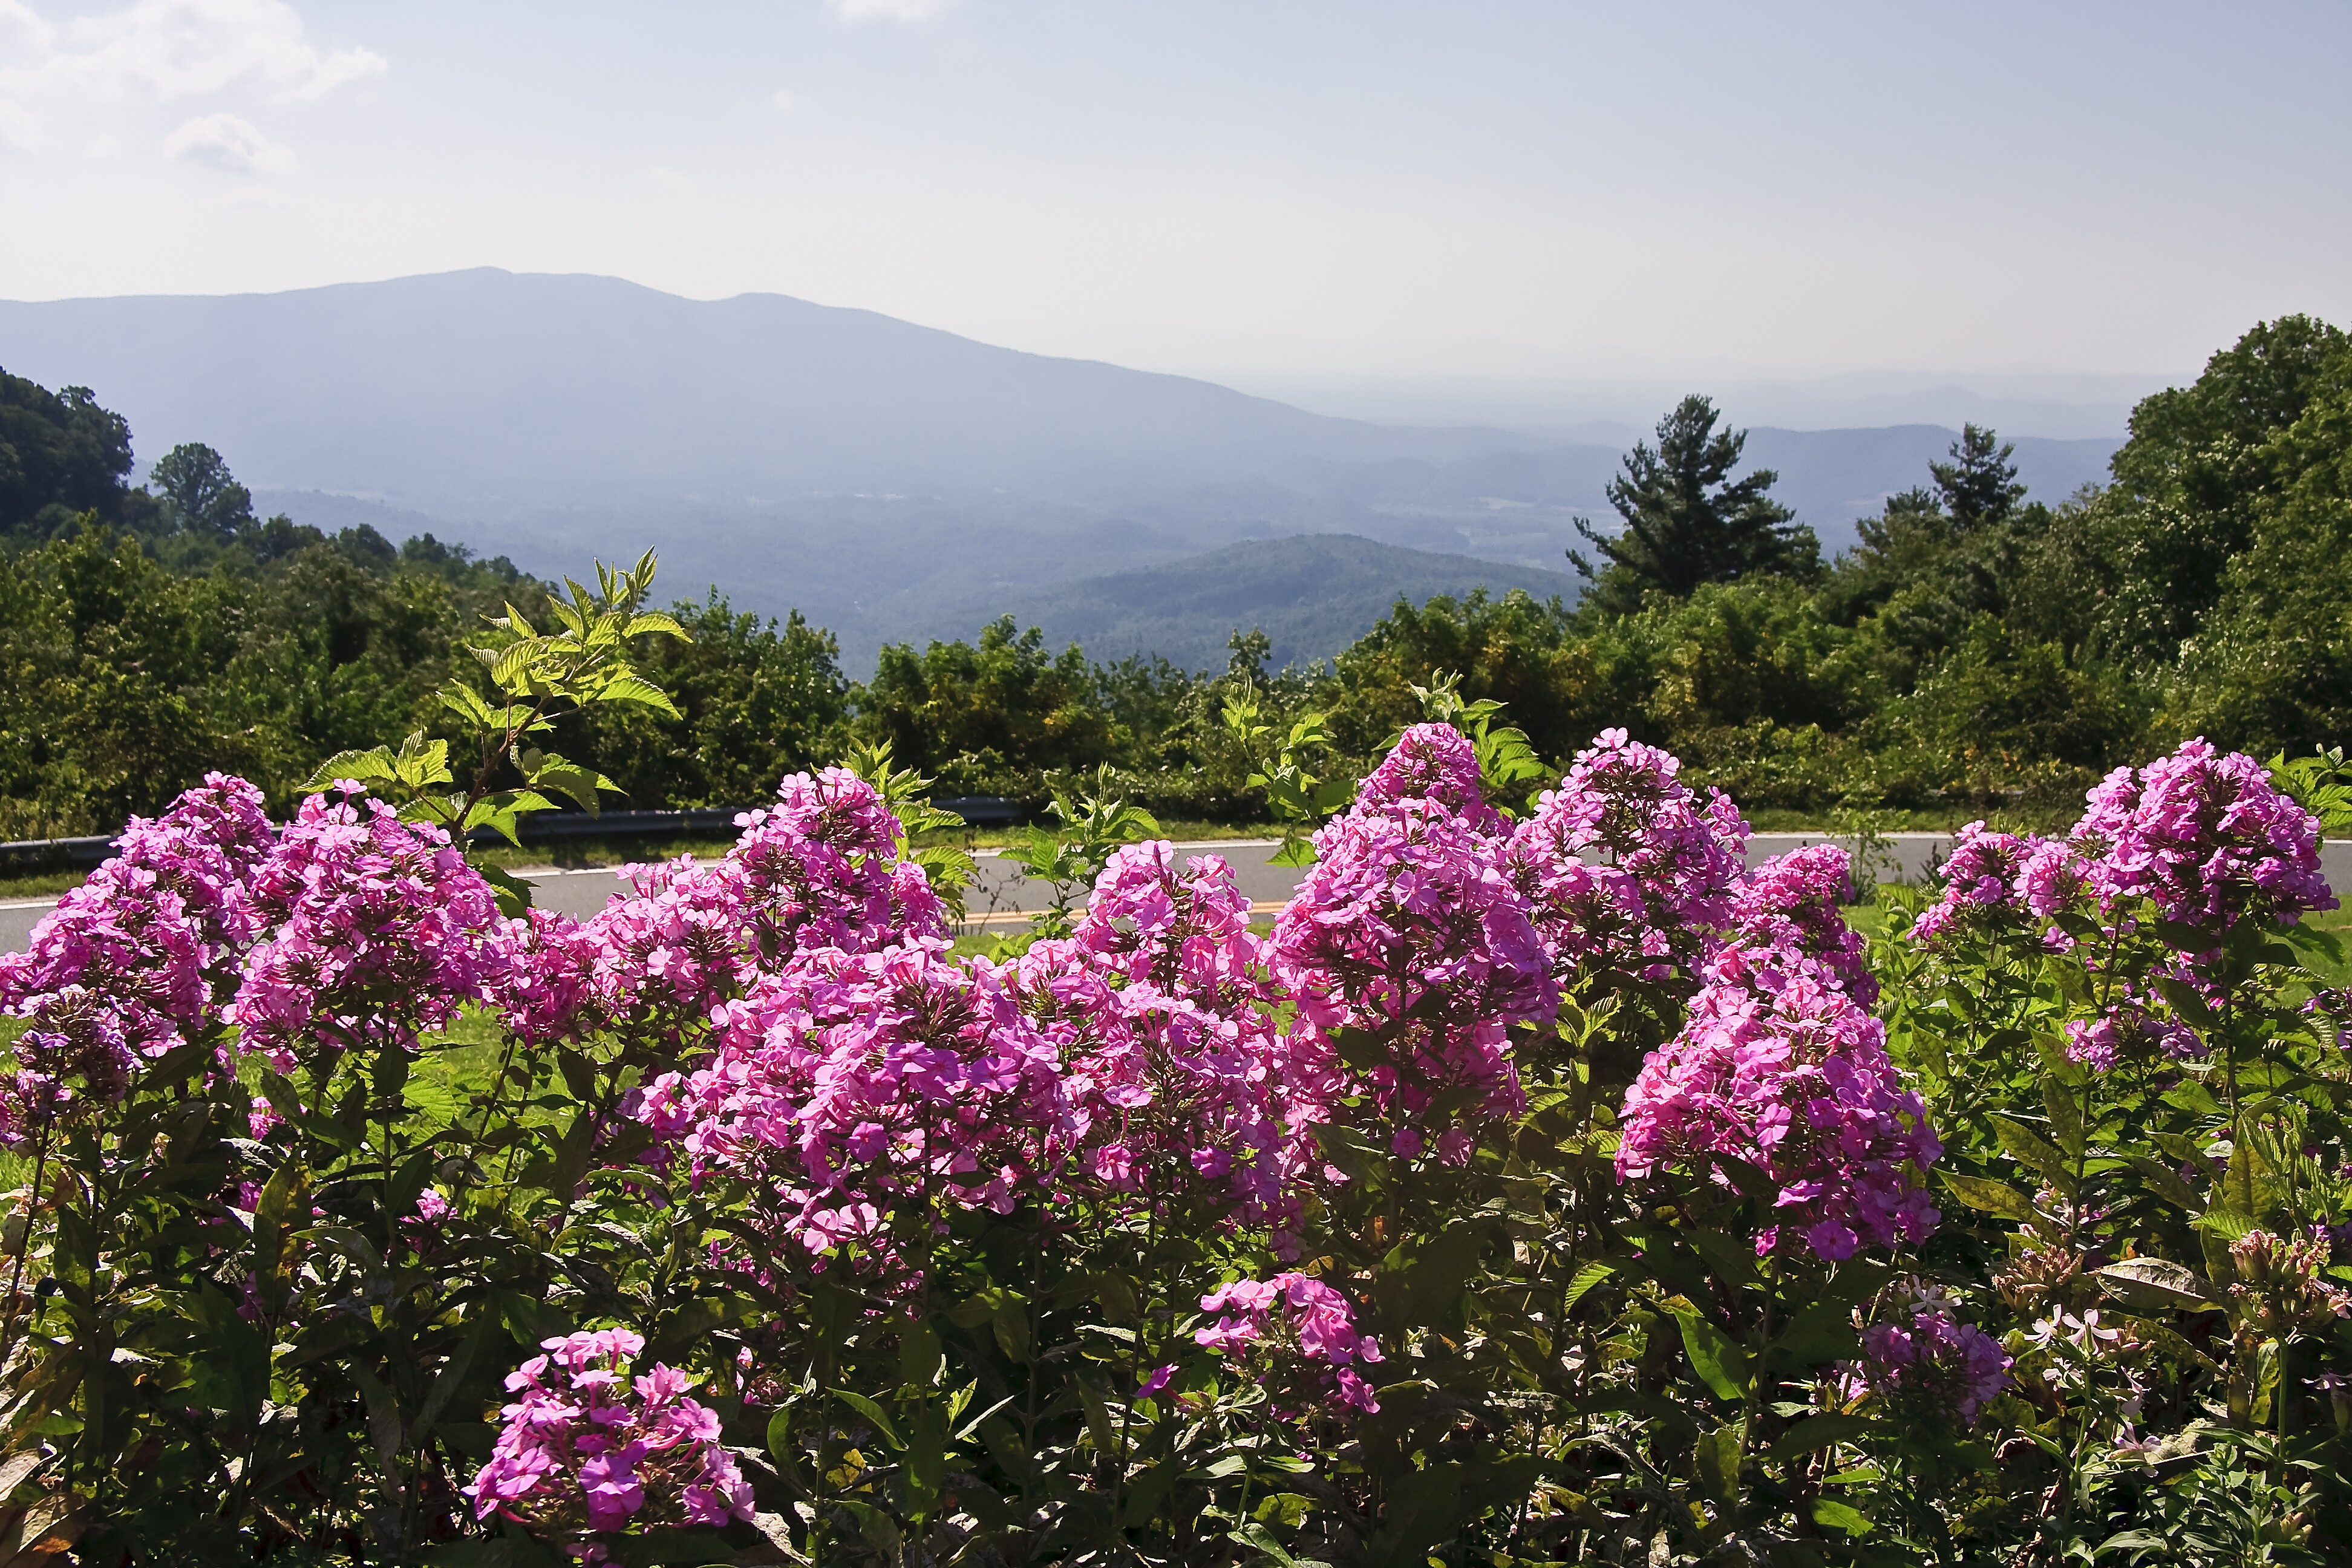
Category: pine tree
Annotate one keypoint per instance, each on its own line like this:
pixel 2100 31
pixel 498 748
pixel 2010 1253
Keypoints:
pixel 1687 521
pixel 1979 487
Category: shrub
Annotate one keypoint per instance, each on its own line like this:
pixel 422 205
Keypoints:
pixel 1538 1189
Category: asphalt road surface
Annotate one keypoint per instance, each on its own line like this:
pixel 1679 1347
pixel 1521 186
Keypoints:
pixel 1003 895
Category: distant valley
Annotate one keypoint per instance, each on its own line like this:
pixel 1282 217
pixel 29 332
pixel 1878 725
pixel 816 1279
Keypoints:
pixel 891 481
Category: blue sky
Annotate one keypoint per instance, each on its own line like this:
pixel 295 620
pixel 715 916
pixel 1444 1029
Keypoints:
pixel 1276 195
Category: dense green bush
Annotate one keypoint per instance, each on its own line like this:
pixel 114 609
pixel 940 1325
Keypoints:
pixel 1977 650
pixel 1540 1189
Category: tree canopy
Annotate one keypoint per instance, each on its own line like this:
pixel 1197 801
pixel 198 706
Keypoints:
pixel 1976 650
pixel 1687 521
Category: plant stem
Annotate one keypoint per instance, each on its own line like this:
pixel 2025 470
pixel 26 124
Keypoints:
pixel 23 1245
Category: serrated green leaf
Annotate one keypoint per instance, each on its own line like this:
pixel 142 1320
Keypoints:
pixel 638 691
pixel 1586 1277
pixel 653 621
pixel 375 765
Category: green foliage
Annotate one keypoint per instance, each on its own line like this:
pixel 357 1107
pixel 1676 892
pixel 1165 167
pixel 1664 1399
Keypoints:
pixel 1092 823
pixel 1976 651
pixel 949 867
pixel 756 700
pixel 583 662
pixel 122 681
pixel 1300 799
pixel 61 455
pixel 199 496
pixel 1687 521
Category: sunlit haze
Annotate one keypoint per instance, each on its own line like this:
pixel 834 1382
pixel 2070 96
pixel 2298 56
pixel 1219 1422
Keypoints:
pixel 1496 211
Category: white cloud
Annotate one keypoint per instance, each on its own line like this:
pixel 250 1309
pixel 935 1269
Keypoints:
pixel 166 50
pixel 670 179
pixel 787 101
pixel 888 10
pixel 228 143
pixel 20 128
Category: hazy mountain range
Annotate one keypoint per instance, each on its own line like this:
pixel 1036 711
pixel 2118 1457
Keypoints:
pixel 891 481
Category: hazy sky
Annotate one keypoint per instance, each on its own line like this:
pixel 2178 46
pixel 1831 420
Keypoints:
pixel 1261 190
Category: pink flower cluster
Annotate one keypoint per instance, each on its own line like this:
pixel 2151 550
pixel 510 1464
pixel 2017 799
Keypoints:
pixel 1623 867
pixel 1933 1361
pixel 378 929
pixel 587 1446
pixel 1295 1314
pixel 860 1095
pixel 1172 1060
pixel 818 869
pixel 1408 935
pixel 2205 838
pixel 1791 1077
pixel 152 939
pixel 2133 1027
pixel 1787 911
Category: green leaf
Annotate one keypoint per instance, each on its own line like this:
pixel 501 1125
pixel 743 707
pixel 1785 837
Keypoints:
pixel 1258 1538
pixel 285 1200
pixel 780 1438
pixel 1730 1260
pixel 1425 1510
pixel 926 1458
pixel 2165 1182
pixel 382 1413
pixel 498 812
pixel 1586 1277
pixel 2157 1280
pixel 1422 1281
pixel 638 691
pixel 1988 1196
pixel 1720 1456
pixel 2186 1000
pixel 373 765
pixel 1818 1432
pixel 2065 1117
pixel 2028 1147
pixel 1839 1516
pixel 580 785
pixel 512 892
pixel 1720 1364
pixel 872 1414
pixel 1820 1331
pixel 653 621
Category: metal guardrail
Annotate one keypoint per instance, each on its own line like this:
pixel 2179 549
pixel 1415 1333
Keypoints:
pixel 30 855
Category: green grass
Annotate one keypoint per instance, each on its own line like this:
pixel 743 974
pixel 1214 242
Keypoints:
pixel 40 884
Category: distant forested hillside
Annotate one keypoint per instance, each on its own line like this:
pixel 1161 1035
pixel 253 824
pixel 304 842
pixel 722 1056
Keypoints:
pixel 1312 595
pixel 872 473
pixel 1980 648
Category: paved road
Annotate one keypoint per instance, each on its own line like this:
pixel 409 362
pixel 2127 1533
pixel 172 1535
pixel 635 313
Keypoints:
pixel 1001 893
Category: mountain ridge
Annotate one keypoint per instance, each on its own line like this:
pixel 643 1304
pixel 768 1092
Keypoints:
pixel 881 475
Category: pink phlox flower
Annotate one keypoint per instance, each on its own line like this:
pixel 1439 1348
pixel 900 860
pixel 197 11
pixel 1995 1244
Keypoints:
pixel 1931 1358
pixel 1315 1323
pixel 140 957
pixel 1624 866
pixel 2205 837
